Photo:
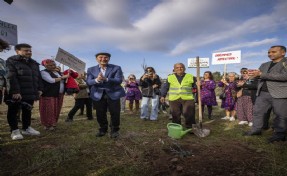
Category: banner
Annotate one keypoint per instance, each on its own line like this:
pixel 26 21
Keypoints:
pixel 230 57
pixel 203 62
pixel 70 60
pixel 8 33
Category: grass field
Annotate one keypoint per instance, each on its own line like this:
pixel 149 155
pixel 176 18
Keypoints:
pixel 143 148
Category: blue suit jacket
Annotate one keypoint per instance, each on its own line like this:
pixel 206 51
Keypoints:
pixel 112 87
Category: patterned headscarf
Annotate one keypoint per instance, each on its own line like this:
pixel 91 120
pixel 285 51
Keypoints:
pixel 46 61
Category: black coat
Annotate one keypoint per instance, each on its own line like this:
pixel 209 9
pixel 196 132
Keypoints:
pixel 146 86
pixel 250 88
pixel 24 77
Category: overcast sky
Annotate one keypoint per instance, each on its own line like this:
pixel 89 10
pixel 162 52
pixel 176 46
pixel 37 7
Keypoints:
pixel 161 32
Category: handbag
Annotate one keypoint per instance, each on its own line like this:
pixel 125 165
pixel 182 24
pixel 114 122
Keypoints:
pixel 156 91
pixel 222 95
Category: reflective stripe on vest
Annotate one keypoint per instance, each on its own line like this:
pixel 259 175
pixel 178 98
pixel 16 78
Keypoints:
pixel 183 90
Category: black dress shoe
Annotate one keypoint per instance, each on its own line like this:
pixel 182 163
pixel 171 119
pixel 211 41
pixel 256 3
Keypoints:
pixel 115 134
pixel 276 138
pixel 100 134
pixel 69 120
pixel 251 133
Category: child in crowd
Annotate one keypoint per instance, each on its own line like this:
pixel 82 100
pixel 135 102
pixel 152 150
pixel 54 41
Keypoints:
pixel 71 85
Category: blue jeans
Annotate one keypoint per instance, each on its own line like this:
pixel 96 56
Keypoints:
pixel 145 106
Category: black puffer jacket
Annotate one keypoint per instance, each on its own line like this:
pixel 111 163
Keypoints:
pixel 24 77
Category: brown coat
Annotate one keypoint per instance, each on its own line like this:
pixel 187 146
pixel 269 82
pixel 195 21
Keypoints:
pixel 84 89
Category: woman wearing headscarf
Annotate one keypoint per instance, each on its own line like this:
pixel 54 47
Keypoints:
pixel 51 101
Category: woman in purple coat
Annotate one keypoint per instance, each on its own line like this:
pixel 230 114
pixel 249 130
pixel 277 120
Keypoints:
pixel 229 102
pixel 207 93
pixel 133 93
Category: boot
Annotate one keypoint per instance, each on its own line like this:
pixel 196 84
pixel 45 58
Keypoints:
pixel 209 117
pixel 137 107
pixel 131 108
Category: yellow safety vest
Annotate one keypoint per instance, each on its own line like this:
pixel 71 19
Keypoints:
pixel 183 90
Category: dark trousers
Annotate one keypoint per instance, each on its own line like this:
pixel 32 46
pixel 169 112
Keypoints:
pixel 79 103
pixel 209 110
pixel 114 107
pixel 184 107
pixel 266 119
pixel 13 109
pixel 263 103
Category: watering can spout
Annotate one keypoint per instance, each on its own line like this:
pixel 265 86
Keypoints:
pixel 184 132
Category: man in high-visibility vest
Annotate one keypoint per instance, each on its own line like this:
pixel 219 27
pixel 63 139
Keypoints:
pixel 181 100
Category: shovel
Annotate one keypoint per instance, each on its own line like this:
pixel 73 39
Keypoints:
pixel 197 128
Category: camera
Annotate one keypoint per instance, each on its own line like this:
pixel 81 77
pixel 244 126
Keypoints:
pixel 148 73
pixel 22 103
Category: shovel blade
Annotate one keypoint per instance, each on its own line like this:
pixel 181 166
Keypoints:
pixel 199 131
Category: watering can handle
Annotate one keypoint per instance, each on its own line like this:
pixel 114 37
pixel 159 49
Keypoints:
pixel 172 124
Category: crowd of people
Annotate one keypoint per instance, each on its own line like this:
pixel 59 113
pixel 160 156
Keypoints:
pixel 249 97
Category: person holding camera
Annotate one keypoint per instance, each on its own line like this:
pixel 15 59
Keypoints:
pixel 26 86
pixel 150 84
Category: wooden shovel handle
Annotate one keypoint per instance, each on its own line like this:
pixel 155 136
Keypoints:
pixel 198 90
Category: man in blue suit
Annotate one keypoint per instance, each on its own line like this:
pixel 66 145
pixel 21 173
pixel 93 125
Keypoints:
pixel 105 82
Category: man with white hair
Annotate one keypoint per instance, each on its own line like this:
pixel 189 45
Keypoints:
pixel 181 100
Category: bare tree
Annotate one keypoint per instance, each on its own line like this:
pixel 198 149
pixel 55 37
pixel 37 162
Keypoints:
pixel 144 66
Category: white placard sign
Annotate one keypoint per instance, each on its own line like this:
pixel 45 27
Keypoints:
pixel 8 32
pixel 70 60
pixel 203 62
pixel 230 57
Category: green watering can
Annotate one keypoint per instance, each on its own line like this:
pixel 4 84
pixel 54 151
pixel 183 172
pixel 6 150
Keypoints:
pixel 175 130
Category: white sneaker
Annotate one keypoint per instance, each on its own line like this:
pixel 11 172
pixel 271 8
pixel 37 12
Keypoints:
pixel 225 118
pixel 250 124
pixel 243 123
pixel 231 119
pixel 16 135
pixel 30 131
pixel 164 112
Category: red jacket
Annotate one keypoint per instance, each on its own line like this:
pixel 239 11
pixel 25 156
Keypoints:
pixel 71 83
